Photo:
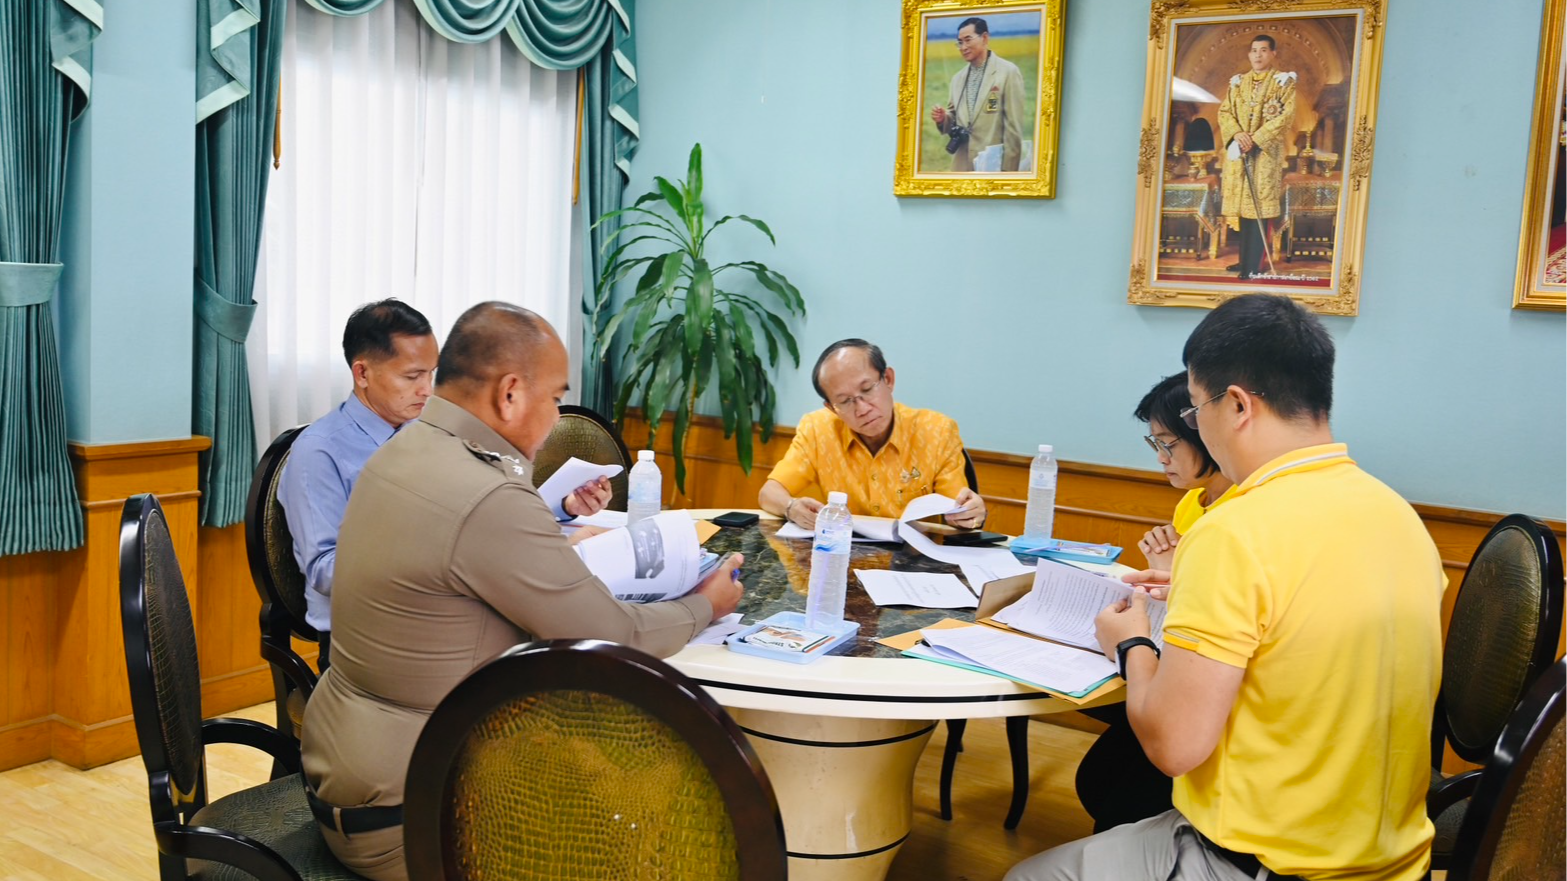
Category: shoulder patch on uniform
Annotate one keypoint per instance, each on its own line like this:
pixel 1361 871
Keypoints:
pixel 511 462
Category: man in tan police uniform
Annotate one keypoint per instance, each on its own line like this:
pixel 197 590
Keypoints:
pixel 447 557
pixel 986 98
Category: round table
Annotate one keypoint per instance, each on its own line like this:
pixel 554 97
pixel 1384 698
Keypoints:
pixel 840 737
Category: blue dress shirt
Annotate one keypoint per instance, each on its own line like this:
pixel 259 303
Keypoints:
pixel 322 466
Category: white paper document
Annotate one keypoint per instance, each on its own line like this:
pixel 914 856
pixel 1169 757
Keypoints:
pixel 568 477
pixel 1064 602
pixel 719 630
pixel 657 558
pixel 924 589
pixel 606 518
pixel 1018 657
pixel 993 564
pixel 885 528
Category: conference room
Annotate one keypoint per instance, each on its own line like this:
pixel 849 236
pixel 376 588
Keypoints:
pixel 429 470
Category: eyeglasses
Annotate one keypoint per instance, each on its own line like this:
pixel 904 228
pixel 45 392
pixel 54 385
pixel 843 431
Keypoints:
pixel 848 404
pixel 967 41
pixel 1189 415
pixel 1161 447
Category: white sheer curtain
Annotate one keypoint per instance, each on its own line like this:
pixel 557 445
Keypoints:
pixel 413 167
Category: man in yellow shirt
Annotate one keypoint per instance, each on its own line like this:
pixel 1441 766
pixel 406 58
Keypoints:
pixel 884 455
pixel 1302 647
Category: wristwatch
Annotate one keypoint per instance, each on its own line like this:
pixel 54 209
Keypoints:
pixel 1126 645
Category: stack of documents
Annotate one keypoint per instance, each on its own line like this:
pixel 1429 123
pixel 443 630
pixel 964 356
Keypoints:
pixel 1064 602
pixel 1056 668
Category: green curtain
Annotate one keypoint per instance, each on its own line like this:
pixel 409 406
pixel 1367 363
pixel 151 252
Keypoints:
pixel 609 137
pixel 239 50
pixel 461 21
pixel 46 56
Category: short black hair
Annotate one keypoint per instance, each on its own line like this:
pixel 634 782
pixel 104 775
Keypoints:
pixel 1265 343
pixel 1272 43
pixel 491 339
pixel 1163 404
pixel 979 26
pixel 872 354
pixel 370 329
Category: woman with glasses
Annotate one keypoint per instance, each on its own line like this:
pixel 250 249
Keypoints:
pixel 1116 782
pixel 1187 465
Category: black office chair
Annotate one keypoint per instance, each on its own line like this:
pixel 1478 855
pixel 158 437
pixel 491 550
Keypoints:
pixel 587 759
pixel 590 437
pixel 264 832
pixel 1515 826
pixel 1502 635
pixel 270 549
pixel 1017 733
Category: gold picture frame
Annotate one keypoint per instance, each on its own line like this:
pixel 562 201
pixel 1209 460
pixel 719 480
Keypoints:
pixel 1542 243
pixel 1287 215
pixel 999 149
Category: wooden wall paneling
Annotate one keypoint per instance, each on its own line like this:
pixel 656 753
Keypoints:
pixel 27 598
pixel 228 631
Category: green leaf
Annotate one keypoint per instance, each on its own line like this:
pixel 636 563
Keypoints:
pixel 699 305
pixel 694 174
pixel 665 373
pixel 674 261
pixel 613 274
pixel 788 338
pixel 649 196
pixel 621 249
pixel 726 372
pixel 673 197
pixel 704 364
pixel 741 407
pixel 682 425
pixel 751 220
pixel 745 341
pixel 632 380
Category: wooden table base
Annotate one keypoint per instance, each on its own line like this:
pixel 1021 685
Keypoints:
pixel 845 788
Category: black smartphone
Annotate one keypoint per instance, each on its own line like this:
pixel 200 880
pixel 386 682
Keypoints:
pixel 737 519
pixel 969 539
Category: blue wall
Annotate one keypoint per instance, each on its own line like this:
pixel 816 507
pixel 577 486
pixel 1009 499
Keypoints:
pixel 1012 316
pixel 125 302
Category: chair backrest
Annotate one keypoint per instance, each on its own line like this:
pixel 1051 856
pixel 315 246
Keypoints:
pixel 1516 824
pixel 590 437
pixel 1502 634
pixel 587 759
pixel 160 661
pixel 968 471
pixel 269 545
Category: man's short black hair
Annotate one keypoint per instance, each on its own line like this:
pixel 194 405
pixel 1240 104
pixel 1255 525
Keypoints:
pixel 979 26
pixel 1163 404
pixel 1265 343
pixel 491 339
pixel 872 354
pixel 1273 45
pixel 370 329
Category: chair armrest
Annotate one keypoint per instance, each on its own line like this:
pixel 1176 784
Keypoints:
pixel 1450 792
pixel 223 846
pixel 290 665
pixel 256 735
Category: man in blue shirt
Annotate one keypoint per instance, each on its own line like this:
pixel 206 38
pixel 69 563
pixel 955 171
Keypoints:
pixel 392 354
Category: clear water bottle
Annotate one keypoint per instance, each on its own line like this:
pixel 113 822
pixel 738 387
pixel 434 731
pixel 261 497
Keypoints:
pixel 645 493
pixel 1041 515
pixel 829 564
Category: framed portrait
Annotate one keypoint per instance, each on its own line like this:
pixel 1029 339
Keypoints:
pixel 979 98
pixel 1254 168
pixel 1542 245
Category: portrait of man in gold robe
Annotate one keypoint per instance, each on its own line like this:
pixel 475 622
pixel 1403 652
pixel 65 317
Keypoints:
pixel 1256 120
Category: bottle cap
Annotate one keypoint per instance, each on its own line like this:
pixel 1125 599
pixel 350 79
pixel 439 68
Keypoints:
pixel 1046 448
pixel 644 455
pixel 837 498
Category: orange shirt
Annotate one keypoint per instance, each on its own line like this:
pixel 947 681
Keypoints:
pixel 924 455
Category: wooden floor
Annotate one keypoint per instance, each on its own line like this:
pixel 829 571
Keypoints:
pixel 61 824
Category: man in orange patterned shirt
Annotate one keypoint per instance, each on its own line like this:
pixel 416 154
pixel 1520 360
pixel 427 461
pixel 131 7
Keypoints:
pixel 884 455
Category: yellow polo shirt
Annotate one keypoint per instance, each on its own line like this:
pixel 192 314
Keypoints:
pixel 1323 585
pixel 1190 507
pixel 924 455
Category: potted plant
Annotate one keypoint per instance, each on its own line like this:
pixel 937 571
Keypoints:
pixel 693 323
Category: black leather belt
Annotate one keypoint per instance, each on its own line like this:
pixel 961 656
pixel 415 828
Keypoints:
pixel 353 821
pixel 1247 863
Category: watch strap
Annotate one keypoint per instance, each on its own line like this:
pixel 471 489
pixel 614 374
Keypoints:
pixel 1127 645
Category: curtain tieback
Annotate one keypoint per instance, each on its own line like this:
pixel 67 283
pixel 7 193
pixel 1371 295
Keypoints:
pixel 28 284
pixel 227 319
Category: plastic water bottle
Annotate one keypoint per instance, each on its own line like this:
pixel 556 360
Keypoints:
pixel 645 492
pixel 829 564
pixel 1041 515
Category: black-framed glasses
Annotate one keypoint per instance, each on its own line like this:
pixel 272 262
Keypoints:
pixel 1189 415
pixel 1163 448
pixel 849 403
